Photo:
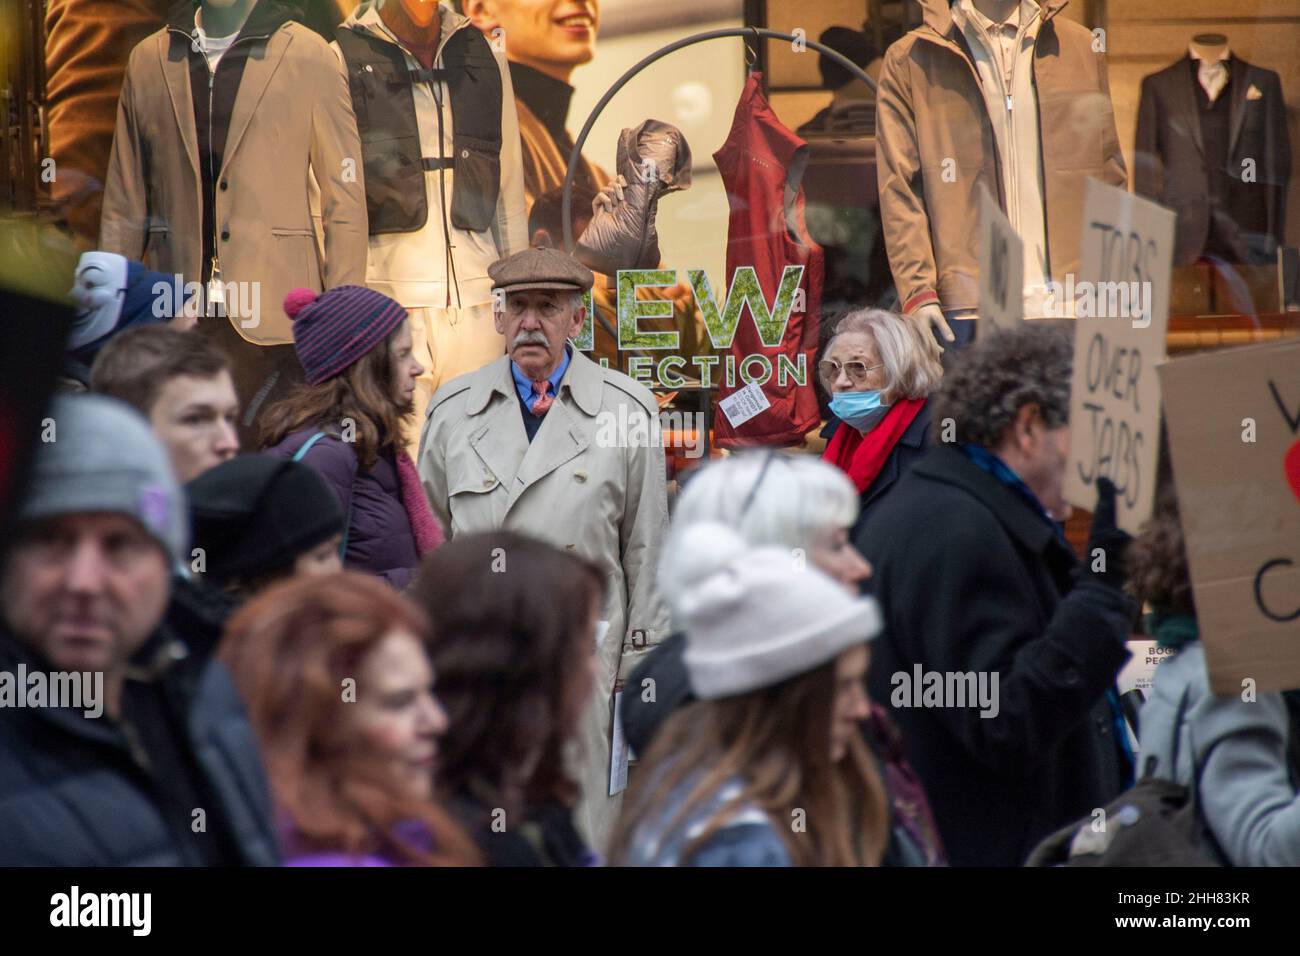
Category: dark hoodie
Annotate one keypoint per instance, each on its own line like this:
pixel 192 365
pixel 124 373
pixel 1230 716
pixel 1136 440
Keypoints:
pixel 214 93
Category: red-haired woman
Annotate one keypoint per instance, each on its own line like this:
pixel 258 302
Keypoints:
pixel 514 647
pixel 338 686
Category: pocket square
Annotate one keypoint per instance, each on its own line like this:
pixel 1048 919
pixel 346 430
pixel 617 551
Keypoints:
pixel 1254 93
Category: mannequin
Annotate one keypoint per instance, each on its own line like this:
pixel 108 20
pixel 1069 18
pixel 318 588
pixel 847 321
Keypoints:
pixel 223 18
pixel 417 23
pixel 187 190
pixel 443 173
pixel 998 11
pixel 1210 46
pixel 1212 144
pixel 1046 125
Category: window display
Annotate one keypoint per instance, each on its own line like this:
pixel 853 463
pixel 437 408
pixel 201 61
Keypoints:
pixel 527 266
pixel 444 184
pixel 190 187
pixel 1212 145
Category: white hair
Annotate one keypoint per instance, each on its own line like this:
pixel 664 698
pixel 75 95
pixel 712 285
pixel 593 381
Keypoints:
pixel 911 370
pixel 767 498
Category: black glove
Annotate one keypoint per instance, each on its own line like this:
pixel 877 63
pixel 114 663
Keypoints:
pixel 1106 542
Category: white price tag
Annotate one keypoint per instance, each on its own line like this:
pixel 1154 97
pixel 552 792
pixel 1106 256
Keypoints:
pixel 743 404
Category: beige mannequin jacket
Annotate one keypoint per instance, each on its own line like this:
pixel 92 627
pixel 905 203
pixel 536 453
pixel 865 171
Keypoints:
pixel 293 113
pixel 935 145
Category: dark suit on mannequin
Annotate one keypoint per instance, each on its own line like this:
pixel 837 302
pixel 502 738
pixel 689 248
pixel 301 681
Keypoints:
pixel 1191 156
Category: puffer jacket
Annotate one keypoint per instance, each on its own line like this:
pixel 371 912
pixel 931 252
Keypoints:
pixel 72 794
pixel 379 537
pixel 1248 799
pixel 935 146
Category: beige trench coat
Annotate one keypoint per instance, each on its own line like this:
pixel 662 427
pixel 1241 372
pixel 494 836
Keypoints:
pixel 575 488
pixel 292 116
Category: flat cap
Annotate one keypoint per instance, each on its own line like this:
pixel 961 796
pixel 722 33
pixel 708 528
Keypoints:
pixel 540 269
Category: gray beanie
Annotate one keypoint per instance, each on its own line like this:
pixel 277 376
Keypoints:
pixel 761 617
pixel 99 454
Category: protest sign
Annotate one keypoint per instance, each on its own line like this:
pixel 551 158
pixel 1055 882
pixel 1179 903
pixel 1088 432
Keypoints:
pixel 1234 433
pixel 1002 266
pixel 1121 304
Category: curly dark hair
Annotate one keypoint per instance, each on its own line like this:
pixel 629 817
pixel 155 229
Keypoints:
pixel 1157 559
pixel 510 649
pixel 1001 373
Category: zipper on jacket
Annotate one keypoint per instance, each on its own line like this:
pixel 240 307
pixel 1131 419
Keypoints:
pixel 216 294
pixel 939 39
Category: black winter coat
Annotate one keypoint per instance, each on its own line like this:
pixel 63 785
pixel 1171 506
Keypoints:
pixel 72 794
pixel 970 579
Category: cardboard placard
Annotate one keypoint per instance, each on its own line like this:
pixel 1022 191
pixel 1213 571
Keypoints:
pixel 1121 305
pixel 1002 266
pixel 1234 435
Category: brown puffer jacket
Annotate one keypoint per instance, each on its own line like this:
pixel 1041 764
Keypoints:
pixel 930 108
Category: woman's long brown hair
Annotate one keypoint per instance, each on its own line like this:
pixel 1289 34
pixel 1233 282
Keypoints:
pixel 510 645
pixel 289 650
pixel 361 393
pixel 777 741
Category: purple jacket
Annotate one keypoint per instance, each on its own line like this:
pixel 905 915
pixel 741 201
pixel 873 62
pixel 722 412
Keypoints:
pixel 413 833
pixel 380 540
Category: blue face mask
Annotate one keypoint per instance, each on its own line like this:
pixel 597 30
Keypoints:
pixel 860 410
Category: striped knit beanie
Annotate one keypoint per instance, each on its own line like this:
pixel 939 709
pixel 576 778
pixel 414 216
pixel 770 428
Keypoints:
pixel 333 329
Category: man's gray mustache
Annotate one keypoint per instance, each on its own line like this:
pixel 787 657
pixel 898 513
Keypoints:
pixel 529 338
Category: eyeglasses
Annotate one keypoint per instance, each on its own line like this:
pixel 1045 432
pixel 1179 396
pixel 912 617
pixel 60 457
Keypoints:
pixel 829 370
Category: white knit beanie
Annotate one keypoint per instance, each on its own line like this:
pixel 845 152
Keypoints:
pixel 761 616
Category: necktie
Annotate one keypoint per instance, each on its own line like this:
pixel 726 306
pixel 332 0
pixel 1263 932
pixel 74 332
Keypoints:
pixel 542 404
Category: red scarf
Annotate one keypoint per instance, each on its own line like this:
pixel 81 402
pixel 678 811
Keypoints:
pixel 424 524
pixel 860 456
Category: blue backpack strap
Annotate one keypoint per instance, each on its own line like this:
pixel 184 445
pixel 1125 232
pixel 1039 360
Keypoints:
pixel 299 455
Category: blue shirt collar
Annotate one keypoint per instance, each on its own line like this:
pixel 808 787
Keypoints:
pixel 524 385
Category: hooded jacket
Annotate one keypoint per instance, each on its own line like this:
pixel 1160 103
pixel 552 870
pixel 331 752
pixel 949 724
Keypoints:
pixel 288 115
pixel 935 145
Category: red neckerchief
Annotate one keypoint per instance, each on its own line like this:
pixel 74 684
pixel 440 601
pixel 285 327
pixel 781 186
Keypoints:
pixel 860 456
